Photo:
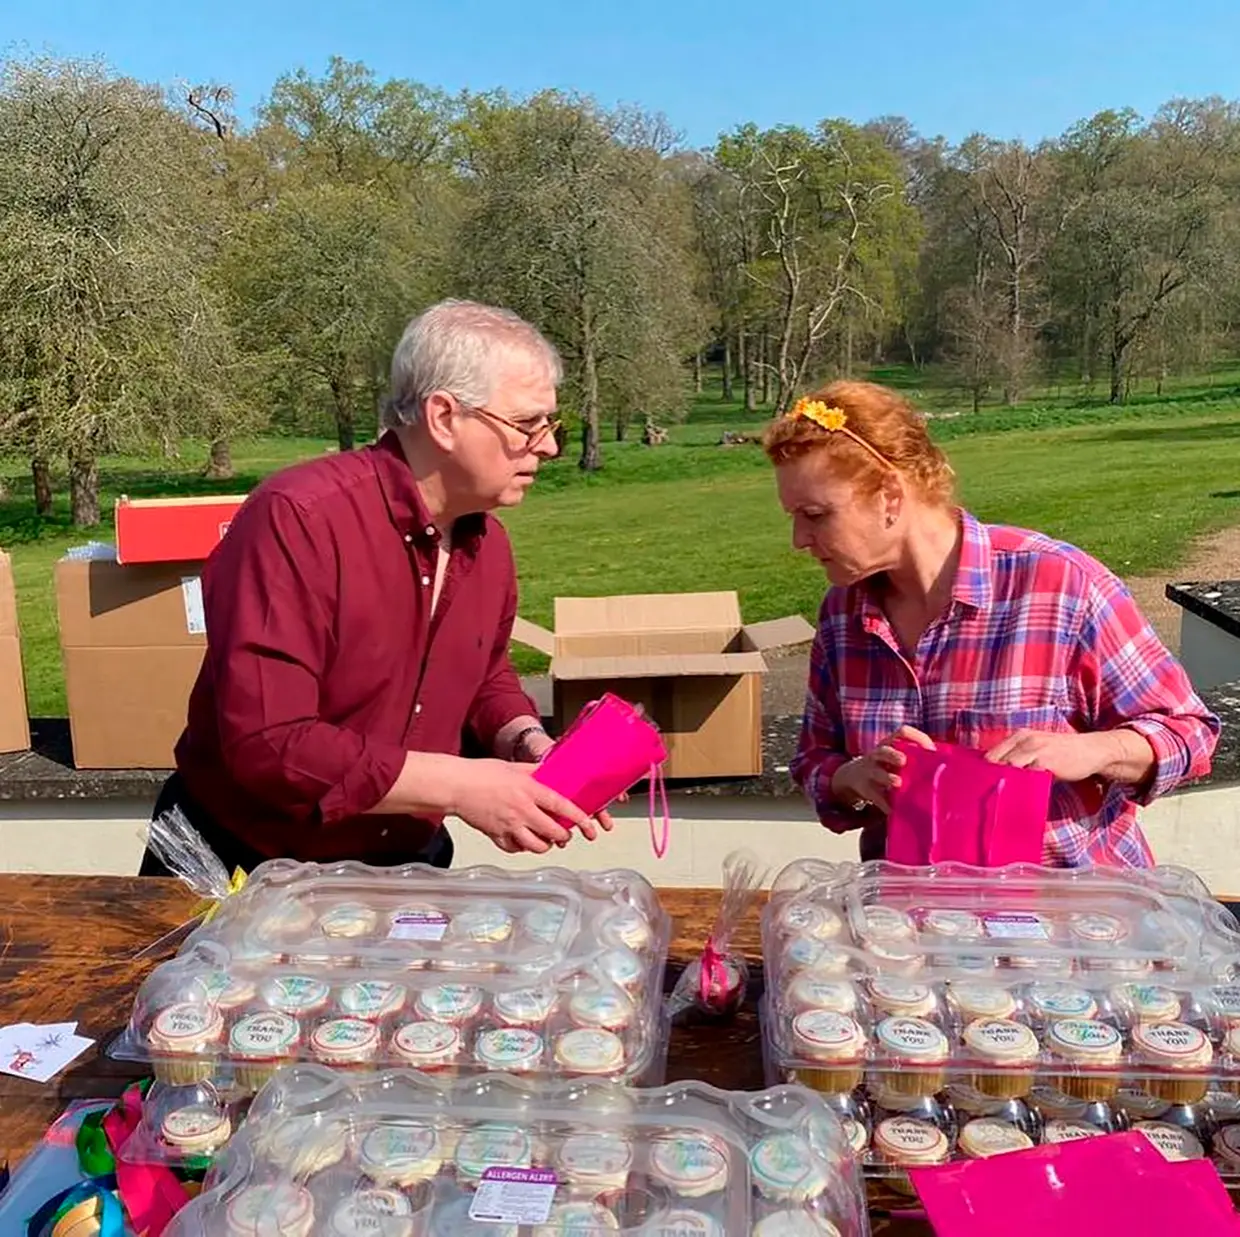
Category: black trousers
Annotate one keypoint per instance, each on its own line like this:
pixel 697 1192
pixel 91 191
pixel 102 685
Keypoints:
pixel 234 853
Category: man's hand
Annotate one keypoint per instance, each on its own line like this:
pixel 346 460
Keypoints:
pixel 1069 757
pixel 871 778
pixel 502 800
pixel 534 747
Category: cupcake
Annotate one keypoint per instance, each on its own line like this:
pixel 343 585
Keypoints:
pixel 855 1135
pixel 196 1130
pixel 682 1222
pixel 975 998
pixel 491 1146
pixel 452 1220
pixel 786 1170
pixel 301 996
pixel 912 1053
pixel 897 957
pixel 905 1142
pixel 577 1220
pixel 227 991
pixel 1048 966
pixel 372 999
pixel 1090 1047
pixel 485 923
pixel 583 1052
pixel 903 998
pixel 348 920
pixel 1146 1002
pixel 1066 1130
pixel 626 926
pixel 810 919
pixel 795 1224
pixel 545 922
pixel 367 1212
pixel 279 1210
pixel 803 953
pixel 594 1164
pixel 1184 1055
pixel 1097 929
pixel 345 1043
pixel 528 1008
pixel 1048 1002
pixel 509 1050
pixel 689 1165
pixel 1223 1001
pixel 835 1044
pixel 596 1007
pixel 303 1146
pixel 289 919
pixel 1173 1141
pixel 814 990
pixel 622 967
pixel 400 1153
pixel 986 1136
pixel 1227 1150
pixel 885 924
pixel 952 925
pixel 184 1041
pixel 1009 1049
pixel 455 1004
pixel 259 1045
pixel 432 1047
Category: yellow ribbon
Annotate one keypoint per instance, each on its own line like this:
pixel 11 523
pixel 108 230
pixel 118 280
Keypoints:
pixel 208 908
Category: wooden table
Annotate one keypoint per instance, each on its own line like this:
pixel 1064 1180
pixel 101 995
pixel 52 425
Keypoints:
pixel 67 951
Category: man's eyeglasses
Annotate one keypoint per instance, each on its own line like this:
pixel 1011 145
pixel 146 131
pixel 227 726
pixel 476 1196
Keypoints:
pixel 532 436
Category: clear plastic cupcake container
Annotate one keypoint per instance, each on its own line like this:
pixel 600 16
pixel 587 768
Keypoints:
pixel 543 973
pixel 921 1000
pixel 405 1154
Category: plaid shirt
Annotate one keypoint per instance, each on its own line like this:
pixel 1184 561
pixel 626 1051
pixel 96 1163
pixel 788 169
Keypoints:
pixel 1038 635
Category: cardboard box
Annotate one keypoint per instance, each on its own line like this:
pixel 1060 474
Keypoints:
pixel 172 530
pixel 14 716
pixel 132 640
pixel 686 657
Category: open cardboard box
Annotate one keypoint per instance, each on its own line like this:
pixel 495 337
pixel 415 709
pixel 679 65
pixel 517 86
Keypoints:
pixel 14 722
pixel 172 530
pixel 687 658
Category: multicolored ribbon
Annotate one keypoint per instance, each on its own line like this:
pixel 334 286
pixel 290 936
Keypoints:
pixel 49 1220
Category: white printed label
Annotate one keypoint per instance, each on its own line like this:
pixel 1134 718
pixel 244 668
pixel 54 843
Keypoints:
pixel 1016 927
pixel 418 926
pixel 195 614
pixel 514 1196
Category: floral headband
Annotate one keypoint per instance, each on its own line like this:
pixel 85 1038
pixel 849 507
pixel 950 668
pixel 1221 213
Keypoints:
pixel 834 421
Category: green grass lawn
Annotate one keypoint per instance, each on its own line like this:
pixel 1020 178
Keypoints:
pixel 1132 485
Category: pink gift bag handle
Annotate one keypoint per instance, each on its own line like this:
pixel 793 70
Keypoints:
pixel 988 829
pixel 659 840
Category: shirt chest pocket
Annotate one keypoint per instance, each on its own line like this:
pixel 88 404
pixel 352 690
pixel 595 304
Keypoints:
pixel 983 729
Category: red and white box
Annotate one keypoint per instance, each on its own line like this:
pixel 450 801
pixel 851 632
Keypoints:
pixel 172 530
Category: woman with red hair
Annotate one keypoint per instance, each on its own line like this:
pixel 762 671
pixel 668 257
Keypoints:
pixel 939 627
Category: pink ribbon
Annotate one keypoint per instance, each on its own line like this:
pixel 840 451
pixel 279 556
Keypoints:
pixel 151 1193
pixel 713 974
pixel 659 841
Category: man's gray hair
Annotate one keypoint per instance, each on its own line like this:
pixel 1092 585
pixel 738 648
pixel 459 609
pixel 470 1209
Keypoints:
pixel 455 346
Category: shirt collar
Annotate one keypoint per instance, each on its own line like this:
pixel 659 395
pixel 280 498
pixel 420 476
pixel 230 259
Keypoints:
pixel 404 501
pixel 973 584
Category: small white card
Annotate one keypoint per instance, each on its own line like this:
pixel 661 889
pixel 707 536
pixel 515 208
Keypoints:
pixel 195 612
pixel 514 1196
pixel 40 1052
pixel 418 926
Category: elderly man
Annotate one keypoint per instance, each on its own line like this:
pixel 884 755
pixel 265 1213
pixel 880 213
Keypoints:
pixel 358 617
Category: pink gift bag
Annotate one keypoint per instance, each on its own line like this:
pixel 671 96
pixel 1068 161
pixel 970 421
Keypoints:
pixel 608 749
pixel 1118 1183
pixel 954 804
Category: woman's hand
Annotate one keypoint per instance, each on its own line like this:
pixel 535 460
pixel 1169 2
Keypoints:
pixel 1074 757
pixel 871 778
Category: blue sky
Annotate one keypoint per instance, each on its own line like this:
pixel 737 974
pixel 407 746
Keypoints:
pixel 1008 67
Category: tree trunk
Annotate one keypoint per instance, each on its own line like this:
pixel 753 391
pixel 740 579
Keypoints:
pixel 697 372
pixel 1117 373
pixel 41 475
pixel 766 367
pixel 727 367
pixel 346 431
pixel 848 348
pixel 591 451
pixel 84 487
pixel 747 344
pixel 219 462
pixel 622 425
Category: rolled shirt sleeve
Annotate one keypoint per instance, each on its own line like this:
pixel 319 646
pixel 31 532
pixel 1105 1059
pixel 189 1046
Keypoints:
pixel 1131 681
pixel 271 638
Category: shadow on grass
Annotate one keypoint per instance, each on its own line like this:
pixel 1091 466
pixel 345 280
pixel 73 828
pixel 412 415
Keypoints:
pixel 1225 494
pixel 1169 433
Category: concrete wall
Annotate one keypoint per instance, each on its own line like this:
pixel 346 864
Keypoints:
pixel 1199 830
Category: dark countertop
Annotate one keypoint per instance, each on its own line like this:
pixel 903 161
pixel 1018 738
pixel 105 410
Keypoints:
pixel 46 773
pixel 1213 601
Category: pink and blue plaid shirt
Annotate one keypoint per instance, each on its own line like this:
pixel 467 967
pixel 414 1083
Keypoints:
pixel 1038 635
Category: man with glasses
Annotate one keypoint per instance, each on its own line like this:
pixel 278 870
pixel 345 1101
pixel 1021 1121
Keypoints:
pixel 358 617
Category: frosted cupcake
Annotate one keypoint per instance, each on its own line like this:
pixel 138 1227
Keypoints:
pixel 1175 1143
pixel 626 926
pixel 400 1153
pixel 596 1007
pixel 594 1164
pixel 260 1044
pixel 903 998
pixel 1227 1150
pixel 1093 1050
pixel 545 922
pixel 986 1136
pixel 905 1142
pixel 303 1146
pixel 456 1004
pixel 526 1008
pixel 952 925
pixel 372 999
pixel 683 1222
pixel 301 996
pixel 815 990
pixel 184 1041
pixel 197 1130
pixel 509 1050
pixel 803 953
pixel 578 1220
pixel 897 957
pixel 1006 1051
pixel 912 1052
pixel 348 920
pixel 484 923
pixel 491 1146
pixel 975 998
pixel 345 1043
pixel 795 1224
pixel 622 967
pixel 885 924
pixel 227 991
pixel 786 1170
pixel 585 1053
pixel 1181 1053
pixel 1146 1002
pixel 833 1046
pixel 279 1210
pixel 1096 929
pixel 820 923
pixel 1066 1130
pixel 365 1213
pixel 1049 1002
pixel 689 1165
pixel 1223 1002
pixel 432 1047
pixel 289 919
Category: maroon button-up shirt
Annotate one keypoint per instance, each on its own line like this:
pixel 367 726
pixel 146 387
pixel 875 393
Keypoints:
pixel 324 664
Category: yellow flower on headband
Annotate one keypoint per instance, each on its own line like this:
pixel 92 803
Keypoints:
pixel 832 419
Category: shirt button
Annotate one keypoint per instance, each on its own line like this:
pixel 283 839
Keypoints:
pixel 417 708
pixel 430 530
pixel 426 579
pixel 408 538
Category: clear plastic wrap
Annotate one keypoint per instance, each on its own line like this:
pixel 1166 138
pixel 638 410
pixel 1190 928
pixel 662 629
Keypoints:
pixel 544 972
pixel 715 982
pixel 403 1154
pixel 953 1011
